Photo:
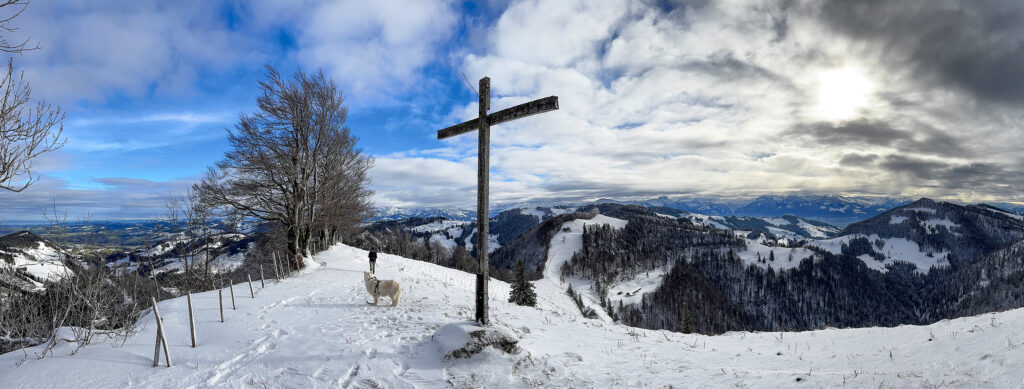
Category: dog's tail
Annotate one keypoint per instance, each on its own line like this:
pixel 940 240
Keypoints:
pixel 398 294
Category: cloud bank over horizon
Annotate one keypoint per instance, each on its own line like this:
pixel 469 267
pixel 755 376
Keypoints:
pixel 723 98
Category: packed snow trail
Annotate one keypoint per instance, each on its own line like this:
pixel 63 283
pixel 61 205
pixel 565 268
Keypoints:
pixel 316 330
pixel 563 245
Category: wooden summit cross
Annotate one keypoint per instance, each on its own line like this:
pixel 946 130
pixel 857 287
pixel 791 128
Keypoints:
pixel 483 124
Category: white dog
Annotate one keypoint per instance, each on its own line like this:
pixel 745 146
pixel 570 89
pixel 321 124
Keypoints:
pixel 379 288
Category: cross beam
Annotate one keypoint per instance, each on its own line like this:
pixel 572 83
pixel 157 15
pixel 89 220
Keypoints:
pixel 546 104
pixel 483 124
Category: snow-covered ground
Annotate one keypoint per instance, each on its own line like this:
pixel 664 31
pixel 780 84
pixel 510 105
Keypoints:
pixel 932 226
pixel 492 242
pixel 439 226
pixel 897 219
pixel 315 330
pixel 42 261
pixel 632 291
pixel 894 249
pixel 816 231
pixel 564 244
pixel 446 242
pixel 785 257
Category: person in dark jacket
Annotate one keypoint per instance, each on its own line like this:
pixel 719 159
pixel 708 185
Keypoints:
pixel 373 260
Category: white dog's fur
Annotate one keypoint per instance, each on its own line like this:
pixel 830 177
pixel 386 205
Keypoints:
pixel 378 288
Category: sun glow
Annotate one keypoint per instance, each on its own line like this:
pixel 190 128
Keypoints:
pixel 842 93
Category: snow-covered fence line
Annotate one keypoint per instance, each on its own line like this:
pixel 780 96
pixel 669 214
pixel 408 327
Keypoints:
pixel 161 338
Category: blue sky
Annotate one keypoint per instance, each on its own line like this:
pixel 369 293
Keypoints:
pixel 705 98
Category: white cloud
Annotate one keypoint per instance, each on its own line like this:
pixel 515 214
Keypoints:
pixel 92 50
pixel 374 49
pixel 414 180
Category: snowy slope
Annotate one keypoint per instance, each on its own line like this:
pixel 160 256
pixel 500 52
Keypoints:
pixel 315 330
pixel 42 261
pixel 784 257
pixel 785 227
pixel 894 249
pixel 36 256
pixel 563 245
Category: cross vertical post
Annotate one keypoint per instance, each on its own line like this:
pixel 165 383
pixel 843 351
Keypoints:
pixel 483 181
pixel 483 124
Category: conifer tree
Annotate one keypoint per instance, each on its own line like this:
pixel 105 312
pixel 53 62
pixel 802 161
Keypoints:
pixel 522 290
pixel 687 319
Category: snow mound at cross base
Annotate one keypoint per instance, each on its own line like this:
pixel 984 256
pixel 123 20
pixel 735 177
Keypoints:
pixel 463 340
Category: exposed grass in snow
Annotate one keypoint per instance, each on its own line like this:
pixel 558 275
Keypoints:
pixel 316 330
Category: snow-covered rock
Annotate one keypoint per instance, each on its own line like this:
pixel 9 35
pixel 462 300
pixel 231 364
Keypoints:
pixel 466 339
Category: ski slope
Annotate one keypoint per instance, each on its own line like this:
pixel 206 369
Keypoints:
pixel 316 330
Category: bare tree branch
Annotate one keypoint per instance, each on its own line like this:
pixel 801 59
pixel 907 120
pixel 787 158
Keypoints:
pixel 26 130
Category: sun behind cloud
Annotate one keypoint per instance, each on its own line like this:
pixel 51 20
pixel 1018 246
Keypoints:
pixel 842 93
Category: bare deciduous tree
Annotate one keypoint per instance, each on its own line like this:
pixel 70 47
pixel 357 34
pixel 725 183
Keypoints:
pixel 195 217
pixel 294 163
pixel 26 130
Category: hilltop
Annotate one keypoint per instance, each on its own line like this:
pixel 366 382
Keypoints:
pixel 315 330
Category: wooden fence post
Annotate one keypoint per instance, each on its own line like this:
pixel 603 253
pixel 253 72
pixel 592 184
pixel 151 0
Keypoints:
pixel 161 339
pixel 231 288
pixel 261 277
pixel 284 265
pixel 277 272
pixel 251 293
pixel 220 295
pixel 191 320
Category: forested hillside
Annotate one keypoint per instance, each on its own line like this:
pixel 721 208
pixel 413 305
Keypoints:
pixel 719 281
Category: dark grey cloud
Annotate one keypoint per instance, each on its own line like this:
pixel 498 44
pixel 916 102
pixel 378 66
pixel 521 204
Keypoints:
pixel 727 67
pixel 976 45
pixel 858 160
pixel 952 176
pixel 921 139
